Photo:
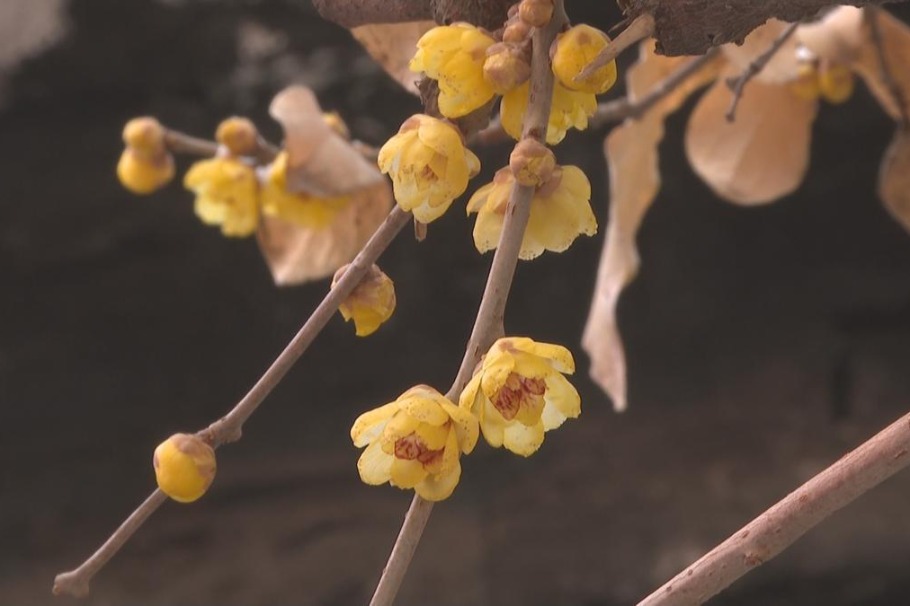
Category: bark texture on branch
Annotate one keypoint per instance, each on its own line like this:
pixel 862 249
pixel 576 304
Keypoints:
pixel 490 14
pixel 691 27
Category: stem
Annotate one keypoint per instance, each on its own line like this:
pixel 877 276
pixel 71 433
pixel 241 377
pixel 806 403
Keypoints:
pixel 781 525
pixel 181 143
pixel 229 427
pixel 737 85
pixel 488 326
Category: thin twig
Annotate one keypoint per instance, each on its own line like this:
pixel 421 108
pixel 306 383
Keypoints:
pixel 640 28
pixel 781 525
pixel 229 427
pixel 181 143
pixel 737 85
pixel 620 109
pixel 488 325
pixel 878 41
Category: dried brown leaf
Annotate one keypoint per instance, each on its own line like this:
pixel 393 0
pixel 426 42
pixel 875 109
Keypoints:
pixel 895 36
pixel 320 162
pixel 894 178
pixel 783 65
pixel 631 151
pixel 837 37
pixel 761 156
pixel 297 254
pixel 392 45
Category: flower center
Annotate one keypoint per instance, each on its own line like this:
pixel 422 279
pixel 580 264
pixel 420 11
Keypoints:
pixel 412 447
pixel 518 392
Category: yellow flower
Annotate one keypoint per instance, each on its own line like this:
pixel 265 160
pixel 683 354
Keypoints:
pixel 299 208
pixel 415 442
pixel 371 303
pixel 560 212
pixel 184 467
pixel 520 392
pixel 570 109
pixel 429 166
pixel 453 55
pixel 145 165
pixel 575 49
pixel 227 194
pixel 836 83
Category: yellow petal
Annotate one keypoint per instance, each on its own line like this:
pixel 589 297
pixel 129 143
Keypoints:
pixel 422 403
pixel 562 397
pixel 406 474
pixel 399 426
pixel 374 465
pixel 492 425
pixel 433 436
pixel 496 369
pixel 468 397
pixel 559 357
pixel 523 440
pixel 437 487
pixel 466 427
pixel 370 424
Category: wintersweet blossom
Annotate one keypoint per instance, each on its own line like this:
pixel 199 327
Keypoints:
pixel 574 50
pixel 184 467
pixel 429 166
pixel 520 392
pixel 570 109
pixel 415 442
pixel 227 194
pixel 560 212
pixel 298 208
pixel 371 303
pixel 453 55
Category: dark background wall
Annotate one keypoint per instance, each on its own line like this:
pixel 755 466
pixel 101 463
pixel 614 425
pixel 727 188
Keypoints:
pixel 763 344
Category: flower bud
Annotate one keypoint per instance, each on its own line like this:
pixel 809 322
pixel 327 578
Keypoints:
pixel 805 85
pixel 238 135
pixel 835 82
pixel 505 67
pixel 536 13
pixel 184 467
pixel 371 303
pixel 144 172
pixel 144 134
pixel 532 163
pixel 516 32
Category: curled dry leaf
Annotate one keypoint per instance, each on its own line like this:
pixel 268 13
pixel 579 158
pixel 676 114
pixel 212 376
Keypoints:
pixel 298 254
pixel 632 159
pixel 894 178
pixel 783 65
pixel 392 45
pixel 763 154
pixel 320 162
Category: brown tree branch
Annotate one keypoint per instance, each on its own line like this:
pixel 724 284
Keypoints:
pixel 640 28
pixel 691 27
pixel 229 427
pixel 777 528
pixel 738 85
pixel 490 14
pixel 488 325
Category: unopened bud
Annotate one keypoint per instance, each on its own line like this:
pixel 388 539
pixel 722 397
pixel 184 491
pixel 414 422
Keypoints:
pixel 238 135
pixel 516 32
pixel 145 134
pixel 532 163
pixel 536 13
pixel 184 467
pixel 371 302
pixel 836 82
pixel 505 67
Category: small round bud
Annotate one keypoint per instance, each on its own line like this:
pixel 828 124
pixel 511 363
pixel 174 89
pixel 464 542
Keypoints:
pixel 536 13
pixel 532 163
pixel 505 67
pixel 184 467
pixel 805 86
pixel 573 51
pixel 238 135
pixel 144 172
pixel 516 32
pixel 835 82
pixel 144 134
pixel 337 124
pixel 371 303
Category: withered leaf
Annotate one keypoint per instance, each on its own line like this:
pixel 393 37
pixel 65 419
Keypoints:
pixel 895 36
pixel 894 178
pixel 297 254
pixel 782 66
pixel 392 45
pixel 762 155
pixel 320 162
pixel 631 152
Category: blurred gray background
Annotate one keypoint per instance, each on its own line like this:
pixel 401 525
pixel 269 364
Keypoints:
pixel 763 344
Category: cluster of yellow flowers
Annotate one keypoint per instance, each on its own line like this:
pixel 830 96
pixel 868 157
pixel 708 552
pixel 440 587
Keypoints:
pixel 832 82
pixel 230 193
pixel 518 393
